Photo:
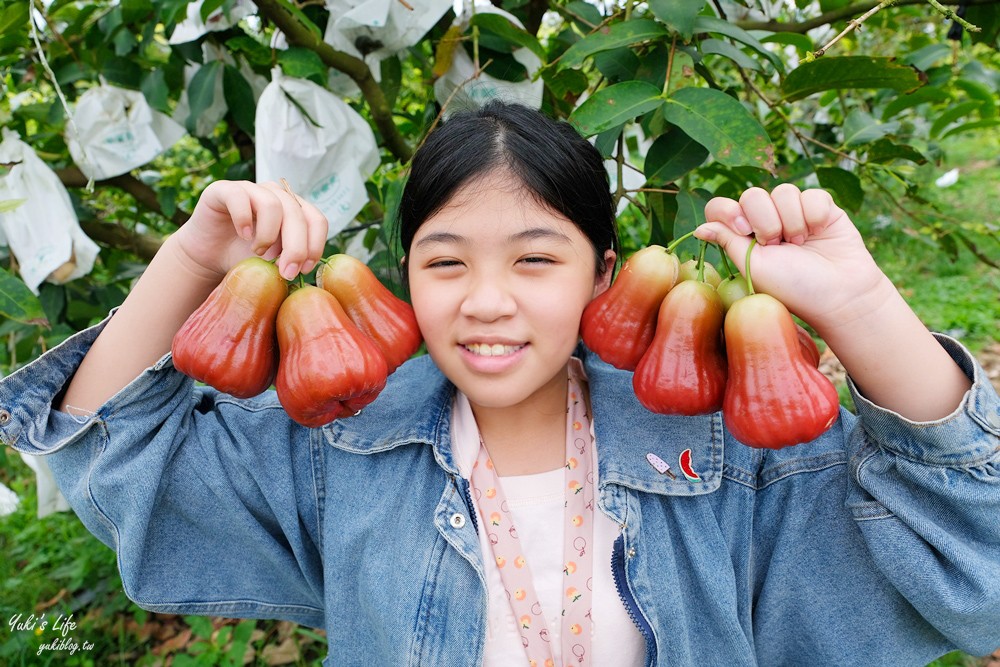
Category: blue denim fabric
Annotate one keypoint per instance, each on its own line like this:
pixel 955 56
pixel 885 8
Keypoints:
pixel 877 544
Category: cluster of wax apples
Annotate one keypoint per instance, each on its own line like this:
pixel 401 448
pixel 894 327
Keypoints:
pixel 327 349
pixel 698 344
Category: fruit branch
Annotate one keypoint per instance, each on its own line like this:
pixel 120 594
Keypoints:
pixel 298 34
pixel 841 14
pixel 852 25
pixel 950 14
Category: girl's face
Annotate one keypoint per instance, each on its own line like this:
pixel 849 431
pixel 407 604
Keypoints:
pixel 498 283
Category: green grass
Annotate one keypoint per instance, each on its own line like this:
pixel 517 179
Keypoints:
pixel 951 289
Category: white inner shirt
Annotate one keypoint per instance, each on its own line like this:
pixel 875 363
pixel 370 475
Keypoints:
pixel 536 503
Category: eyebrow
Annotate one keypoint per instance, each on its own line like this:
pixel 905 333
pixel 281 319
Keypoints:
pixel 526 235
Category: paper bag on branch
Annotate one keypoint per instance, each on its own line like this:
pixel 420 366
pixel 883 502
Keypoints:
pixel 43 233
pixel 374 30
pixel 320 145
pixel 461 89
pixel 193 27
pixel 116 131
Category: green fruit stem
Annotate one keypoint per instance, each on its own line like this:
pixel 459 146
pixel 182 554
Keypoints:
pixel 746 266
pixel 701 261
pixel 725 262
pixel 677 242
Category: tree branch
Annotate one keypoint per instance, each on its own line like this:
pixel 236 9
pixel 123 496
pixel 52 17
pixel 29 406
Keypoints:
pixel 117 236
pixel 144 195
pixel 835 15
pixel 122 238
pixel 357 69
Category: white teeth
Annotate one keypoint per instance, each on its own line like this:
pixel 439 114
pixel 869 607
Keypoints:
pixel 487 350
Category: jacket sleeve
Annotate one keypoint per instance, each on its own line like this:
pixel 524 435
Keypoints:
pixel 926 497
pixel 212 504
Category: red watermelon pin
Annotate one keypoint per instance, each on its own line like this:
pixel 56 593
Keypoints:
pixel 685 465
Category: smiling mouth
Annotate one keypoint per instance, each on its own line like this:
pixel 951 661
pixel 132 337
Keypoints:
pixel 487 350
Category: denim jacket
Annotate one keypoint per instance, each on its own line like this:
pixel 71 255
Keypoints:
pixel 876 544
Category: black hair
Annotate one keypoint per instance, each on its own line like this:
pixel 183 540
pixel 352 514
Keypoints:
pixel 556 166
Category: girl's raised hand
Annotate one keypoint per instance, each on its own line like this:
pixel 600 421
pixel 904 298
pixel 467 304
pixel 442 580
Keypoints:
pixel 238 219
pixel 809 255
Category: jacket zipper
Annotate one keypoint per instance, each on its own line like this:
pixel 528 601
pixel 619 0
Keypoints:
pixel 628 600
pixel 464 485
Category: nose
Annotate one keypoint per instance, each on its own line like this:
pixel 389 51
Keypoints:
pixel 488 299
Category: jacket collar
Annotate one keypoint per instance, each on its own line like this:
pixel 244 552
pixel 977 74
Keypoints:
pixel 416 408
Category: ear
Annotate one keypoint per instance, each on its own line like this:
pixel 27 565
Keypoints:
pixel 603 281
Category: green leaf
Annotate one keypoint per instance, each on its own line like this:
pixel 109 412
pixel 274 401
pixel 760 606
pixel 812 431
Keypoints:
pixel 124 42
pixel 615 36
pixel 587 15
pixel 135 11
pixel 662 213
pixel 884 151
pixel 303 63
pixel 124 72
pixel 606 141
pixel 255 52
pixel 209 6
pixel 719 47
pixel 924 58
pixel 802 43
pixel 502 27
pixel 201 92
pixel 719 26
pixel 392 79
pixel 617 64
pixel 14 18
pixel 18 303
pixel 927 94
pixel 8 205
pixel 239 99
pixel 567 82
pixel 722 125
pixel 974 125
pixel 861 127
pixel 293 9
pixel 671 156
pixel 690 214
pixel 952 114
pixel 980 91
pixel 615 105
pixel 678 14
pixel 847 72
pixel 682 72
pixel 846 186
pixel 154 87
pixel 987 18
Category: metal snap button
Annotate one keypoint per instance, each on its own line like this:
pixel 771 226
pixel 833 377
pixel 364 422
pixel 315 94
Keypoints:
pixel 4 417
pixel 457 520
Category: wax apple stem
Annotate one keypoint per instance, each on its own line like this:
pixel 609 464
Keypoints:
pixel 746 266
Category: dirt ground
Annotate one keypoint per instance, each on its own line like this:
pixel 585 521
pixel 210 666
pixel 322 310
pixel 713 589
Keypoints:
pixel 989 357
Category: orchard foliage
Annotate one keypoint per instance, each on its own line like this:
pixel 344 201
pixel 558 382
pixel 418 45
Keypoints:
pixel 688 99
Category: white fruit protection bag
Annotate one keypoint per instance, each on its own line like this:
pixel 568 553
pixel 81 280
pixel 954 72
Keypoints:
pixel 460 89
pixel 321 146
pixel 43 233
pixel 193 26
pixel 114 131
pixel 374 30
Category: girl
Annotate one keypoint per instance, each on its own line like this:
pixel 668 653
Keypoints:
pixel 495 505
